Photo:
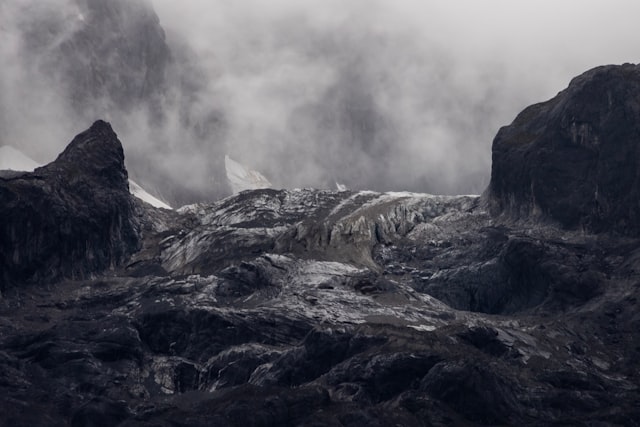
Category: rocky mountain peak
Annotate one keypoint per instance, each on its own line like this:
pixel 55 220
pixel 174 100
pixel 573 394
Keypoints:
pixel 96 153
pixel 71 218
pixel 575 159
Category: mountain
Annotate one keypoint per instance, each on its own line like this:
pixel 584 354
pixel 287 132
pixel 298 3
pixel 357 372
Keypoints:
pixel 77 60
pixel 309 307
pixel 71 218
pixel 14 160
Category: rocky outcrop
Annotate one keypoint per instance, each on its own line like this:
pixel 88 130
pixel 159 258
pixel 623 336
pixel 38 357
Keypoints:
pixel 71 218
pixel 574 159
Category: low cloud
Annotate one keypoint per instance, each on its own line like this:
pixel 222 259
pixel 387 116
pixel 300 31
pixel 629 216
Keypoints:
pixel 403 95
pixel 389 95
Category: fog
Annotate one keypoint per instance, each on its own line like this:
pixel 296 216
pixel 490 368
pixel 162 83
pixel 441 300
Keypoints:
pixel 373 94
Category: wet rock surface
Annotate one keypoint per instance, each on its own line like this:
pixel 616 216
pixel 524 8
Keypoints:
pixel 307 307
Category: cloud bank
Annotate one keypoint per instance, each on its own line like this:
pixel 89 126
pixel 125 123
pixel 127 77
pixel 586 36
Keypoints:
pixel 402 95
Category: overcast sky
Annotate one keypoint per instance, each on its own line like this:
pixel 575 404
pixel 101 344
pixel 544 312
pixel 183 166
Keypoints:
pixel 541 43
pixel 447 73
pixel 374 94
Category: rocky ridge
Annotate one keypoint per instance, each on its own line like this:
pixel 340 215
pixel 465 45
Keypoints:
pixel 307 307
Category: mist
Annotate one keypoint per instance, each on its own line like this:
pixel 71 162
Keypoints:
pixel 380 95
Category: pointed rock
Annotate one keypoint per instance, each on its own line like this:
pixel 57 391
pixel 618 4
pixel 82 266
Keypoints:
pixel 94 154
pixel 71 218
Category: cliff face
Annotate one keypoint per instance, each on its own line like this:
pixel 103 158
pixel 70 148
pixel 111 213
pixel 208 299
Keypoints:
pixel 575 159
pixel 71 218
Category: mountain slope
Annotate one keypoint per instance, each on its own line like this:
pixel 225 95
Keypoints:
pixel 310 307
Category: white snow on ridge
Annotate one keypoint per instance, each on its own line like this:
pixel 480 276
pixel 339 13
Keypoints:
pixel 241 178
pixel 12 159
pixel 143 195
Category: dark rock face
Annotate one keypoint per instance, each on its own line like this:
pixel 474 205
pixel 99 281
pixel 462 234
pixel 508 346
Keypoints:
pixel 308 307
pixel 71 218
pixel 575 158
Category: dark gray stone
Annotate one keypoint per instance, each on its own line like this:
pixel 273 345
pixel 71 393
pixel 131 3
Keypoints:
pixel 71 218
pixel 574 159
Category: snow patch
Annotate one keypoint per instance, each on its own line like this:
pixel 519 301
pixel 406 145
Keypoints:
pixel 12 159
pixel 241 178
pixel 143 195
pixel 423 328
